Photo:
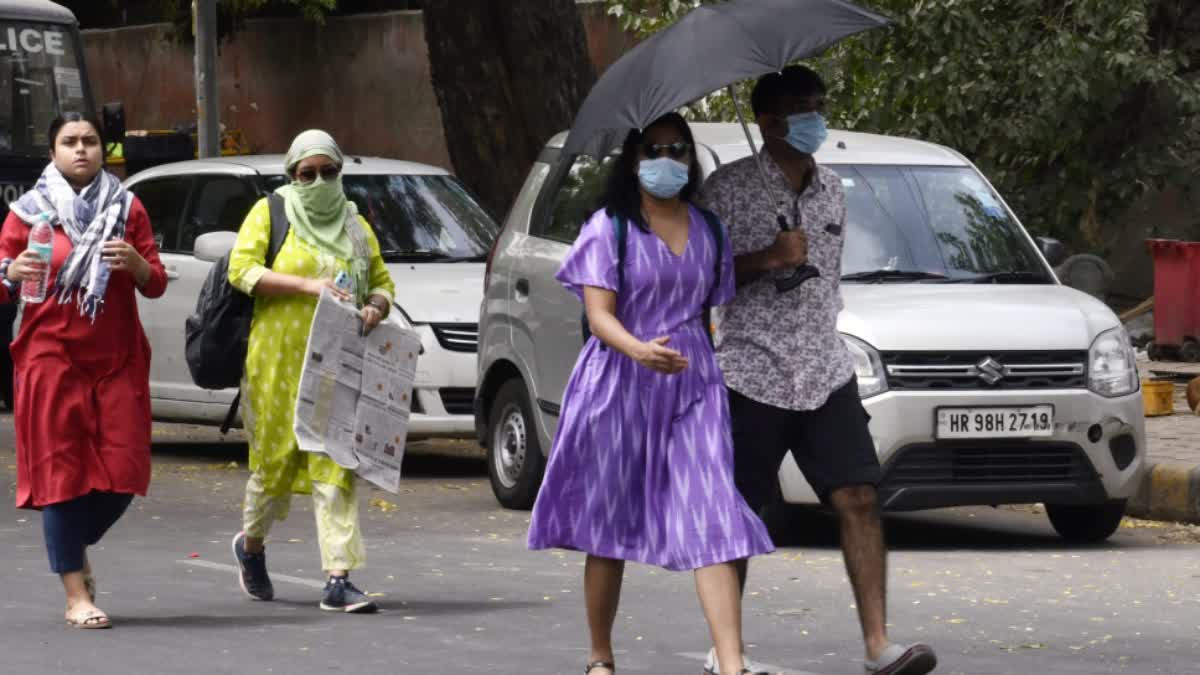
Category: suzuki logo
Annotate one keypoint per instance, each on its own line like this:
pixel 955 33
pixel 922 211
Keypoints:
pixel 990 370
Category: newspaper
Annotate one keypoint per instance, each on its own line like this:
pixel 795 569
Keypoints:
pixel 356 392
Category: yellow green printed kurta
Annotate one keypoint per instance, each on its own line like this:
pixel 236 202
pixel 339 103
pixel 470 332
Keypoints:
pixel 278 338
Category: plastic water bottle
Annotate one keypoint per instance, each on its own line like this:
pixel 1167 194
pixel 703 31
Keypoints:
pixel 41 242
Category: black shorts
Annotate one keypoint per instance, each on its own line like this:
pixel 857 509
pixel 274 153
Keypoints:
pixel 832 445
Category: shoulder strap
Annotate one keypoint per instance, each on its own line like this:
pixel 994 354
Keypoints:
pixel 279 226
pixel 621 226
pixel 718 234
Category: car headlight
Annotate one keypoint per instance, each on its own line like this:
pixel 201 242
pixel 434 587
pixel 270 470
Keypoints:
pixel 1112 364
pixel 868 367
pixel 401 317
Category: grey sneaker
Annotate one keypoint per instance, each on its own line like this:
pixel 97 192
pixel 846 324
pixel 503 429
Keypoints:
pixel 712 667
pixel 253 570
pixel 343 596
pixel 914 659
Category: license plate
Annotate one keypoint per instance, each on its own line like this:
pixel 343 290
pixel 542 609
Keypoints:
pixel 1028 422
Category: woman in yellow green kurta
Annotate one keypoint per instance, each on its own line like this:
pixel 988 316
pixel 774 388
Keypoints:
pixel 326 236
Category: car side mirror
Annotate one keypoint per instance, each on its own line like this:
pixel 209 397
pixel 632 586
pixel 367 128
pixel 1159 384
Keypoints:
pixel 113 115
pixel 213 246
pixel 1053 250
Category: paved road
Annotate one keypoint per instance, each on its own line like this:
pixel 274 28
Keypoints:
pixel 994 590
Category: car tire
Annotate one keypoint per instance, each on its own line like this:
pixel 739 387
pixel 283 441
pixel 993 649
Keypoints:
pixel 514 454
pixel 1088 524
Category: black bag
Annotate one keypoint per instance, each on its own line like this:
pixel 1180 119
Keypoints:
pixel 216 335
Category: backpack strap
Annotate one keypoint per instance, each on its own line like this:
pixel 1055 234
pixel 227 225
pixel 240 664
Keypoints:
pixel 279 232
pixel 718 234
pixel 279 226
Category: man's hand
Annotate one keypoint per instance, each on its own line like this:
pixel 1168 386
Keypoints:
pixel 789 250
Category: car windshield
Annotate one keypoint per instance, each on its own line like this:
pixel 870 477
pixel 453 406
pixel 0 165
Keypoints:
pixel 420 217
pixel 915 223
pixel 39 76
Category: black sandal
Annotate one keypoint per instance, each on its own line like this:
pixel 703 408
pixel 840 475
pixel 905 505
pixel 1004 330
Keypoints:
pixel 599 664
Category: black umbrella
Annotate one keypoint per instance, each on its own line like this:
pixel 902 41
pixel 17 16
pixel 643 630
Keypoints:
pixel 712 47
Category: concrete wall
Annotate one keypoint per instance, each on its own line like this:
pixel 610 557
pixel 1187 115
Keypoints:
pixel 364 78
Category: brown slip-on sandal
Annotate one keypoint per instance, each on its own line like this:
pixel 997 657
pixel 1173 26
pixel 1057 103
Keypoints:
pixel 599 664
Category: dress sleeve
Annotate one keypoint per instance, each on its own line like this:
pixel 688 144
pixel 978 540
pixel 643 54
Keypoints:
pixel 140 234
pixel 248 260
pixel 726 286
pixel 380 280
pixel 13 239
pixel 592 260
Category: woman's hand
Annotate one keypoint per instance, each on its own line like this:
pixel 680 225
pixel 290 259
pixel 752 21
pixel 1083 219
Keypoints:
pixel 122 256
pixel 27 267
pixel 314 287
pixel 371 316
pixel 656 356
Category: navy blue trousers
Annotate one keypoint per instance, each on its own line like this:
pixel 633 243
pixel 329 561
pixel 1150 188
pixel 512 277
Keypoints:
pixel 70 527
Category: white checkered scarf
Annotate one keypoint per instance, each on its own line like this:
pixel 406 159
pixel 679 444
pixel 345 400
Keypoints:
pixel 89 218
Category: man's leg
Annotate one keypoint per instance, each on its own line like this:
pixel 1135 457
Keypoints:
pixel 758 450
pixel 866 560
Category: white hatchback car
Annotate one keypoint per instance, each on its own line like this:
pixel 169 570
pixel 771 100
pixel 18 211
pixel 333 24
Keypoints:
pixel 433 235
pixel 988 382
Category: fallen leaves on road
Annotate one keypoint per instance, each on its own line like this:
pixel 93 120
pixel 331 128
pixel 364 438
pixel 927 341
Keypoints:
pixel 383 505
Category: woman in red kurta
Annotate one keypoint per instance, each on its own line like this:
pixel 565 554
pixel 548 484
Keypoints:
pixel 82 361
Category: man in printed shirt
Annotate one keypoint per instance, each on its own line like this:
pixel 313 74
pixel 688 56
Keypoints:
pixel 791 379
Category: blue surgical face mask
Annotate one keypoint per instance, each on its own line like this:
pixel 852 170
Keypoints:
pixel 663 177
pixel 806 132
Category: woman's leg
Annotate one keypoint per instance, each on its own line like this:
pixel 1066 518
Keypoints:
pixel 260 511
pixel 602 590
pixel 338 530
pixel 65 527
pixel 721 598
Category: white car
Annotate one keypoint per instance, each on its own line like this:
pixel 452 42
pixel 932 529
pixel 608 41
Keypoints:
pixel 433 234
pixel 988 381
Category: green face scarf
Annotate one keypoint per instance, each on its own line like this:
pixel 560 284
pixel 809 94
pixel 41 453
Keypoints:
pixel 317 212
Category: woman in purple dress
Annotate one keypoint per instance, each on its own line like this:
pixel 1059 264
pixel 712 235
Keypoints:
pixel 642 465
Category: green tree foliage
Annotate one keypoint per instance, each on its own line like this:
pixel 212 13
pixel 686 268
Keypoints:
pixel 1074 108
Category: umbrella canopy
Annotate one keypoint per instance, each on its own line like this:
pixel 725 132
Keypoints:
pixel 710 48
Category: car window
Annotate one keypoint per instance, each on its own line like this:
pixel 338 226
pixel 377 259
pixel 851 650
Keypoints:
pixel 943 220
pixel 164 199
pixel 575 200
pixel 418 218
pixel 220 204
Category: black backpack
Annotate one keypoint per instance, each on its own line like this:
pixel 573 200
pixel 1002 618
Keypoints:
pixel 216 335
pixel 621 227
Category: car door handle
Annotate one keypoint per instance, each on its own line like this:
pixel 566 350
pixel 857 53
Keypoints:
pixel 522 287
pixel 172 274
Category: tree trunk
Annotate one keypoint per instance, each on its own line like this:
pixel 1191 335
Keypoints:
pixel 509 74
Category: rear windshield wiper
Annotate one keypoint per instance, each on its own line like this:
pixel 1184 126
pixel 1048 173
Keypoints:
pixel 1003 278
pixel 893 275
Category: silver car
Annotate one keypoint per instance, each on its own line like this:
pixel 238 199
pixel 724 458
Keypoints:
pixel 986 387
pixel 433 236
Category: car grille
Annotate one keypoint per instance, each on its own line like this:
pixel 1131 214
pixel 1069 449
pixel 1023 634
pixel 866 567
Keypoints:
pixel 458 400
pixel 457 337
pixel 1023 463
pixel 908 371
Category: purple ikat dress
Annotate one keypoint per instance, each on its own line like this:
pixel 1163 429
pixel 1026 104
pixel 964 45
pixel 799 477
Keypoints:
pixel 642 464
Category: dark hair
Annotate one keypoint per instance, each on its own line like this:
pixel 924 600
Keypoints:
pixel 623 197
pixel 791 81
pixel 66 118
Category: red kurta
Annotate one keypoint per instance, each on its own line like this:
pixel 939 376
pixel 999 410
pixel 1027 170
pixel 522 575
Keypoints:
pixel 82 395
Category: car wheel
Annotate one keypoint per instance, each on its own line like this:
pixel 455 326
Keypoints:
pixel 1190 351
pixel 1086 524
pixel 515 459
